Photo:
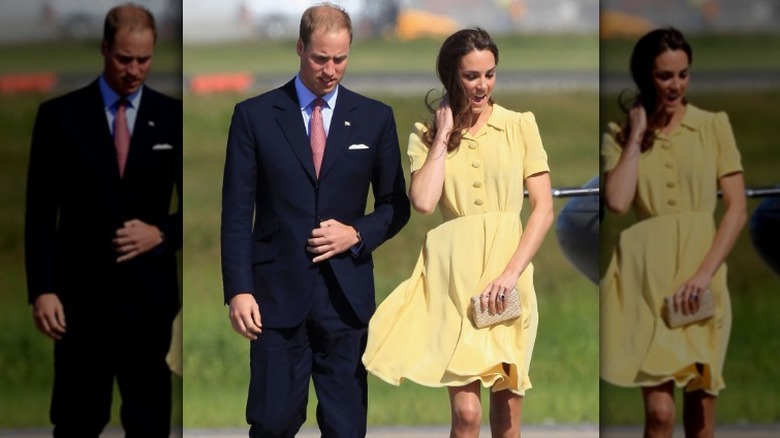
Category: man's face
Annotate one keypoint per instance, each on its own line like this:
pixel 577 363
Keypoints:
pixel 126 64
pixel 324 61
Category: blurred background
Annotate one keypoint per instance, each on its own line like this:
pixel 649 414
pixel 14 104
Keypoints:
pixel 405 19
pixel 736 69
pixel 54 45
pixel 564 60
pixel 42 20
pixel 48 48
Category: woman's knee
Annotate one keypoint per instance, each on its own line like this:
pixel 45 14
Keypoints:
pixel 661 412
pixel 467 414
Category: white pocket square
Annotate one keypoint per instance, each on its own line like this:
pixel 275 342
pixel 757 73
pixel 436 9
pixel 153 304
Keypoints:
pixel 162 147
pixel 356 147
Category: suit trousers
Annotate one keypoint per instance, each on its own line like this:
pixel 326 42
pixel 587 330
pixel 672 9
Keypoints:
pixel 326 348
pixel 91 357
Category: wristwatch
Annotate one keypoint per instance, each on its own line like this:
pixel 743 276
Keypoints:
pixel 359 237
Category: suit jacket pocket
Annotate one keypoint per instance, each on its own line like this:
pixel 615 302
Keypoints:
pixel 263 252
pixel 265 247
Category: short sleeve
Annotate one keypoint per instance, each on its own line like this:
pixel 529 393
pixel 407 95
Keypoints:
pixel 535 156
pixel 729 159
pixel 610 149
pixel 416 150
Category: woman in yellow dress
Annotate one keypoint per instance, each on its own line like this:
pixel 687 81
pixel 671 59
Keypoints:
pixel 473 161
pixel 667 162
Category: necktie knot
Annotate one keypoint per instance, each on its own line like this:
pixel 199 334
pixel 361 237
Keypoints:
pixel 318 104
pixel 121 102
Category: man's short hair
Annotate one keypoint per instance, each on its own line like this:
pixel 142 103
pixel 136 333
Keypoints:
pixel 130 17
pixel 326 17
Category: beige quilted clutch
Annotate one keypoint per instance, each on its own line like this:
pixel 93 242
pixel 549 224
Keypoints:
pixel 512 310
pixel 677 319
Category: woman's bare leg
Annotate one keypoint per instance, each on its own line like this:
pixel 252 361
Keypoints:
pixel 505 414
pixel 659 410
pixel 466 410
pixel 699 414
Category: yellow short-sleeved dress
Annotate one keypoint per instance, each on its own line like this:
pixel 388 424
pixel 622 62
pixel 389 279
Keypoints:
pixel 675 203
pixel 422 331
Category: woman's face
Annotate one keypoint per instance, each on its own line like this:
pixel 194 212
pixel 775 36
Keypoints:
pixel 477 72
pixel 670 77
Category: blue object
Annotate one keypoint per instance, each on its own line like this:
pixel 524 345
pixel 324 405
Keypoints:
pixel 764 228
pixel 577 230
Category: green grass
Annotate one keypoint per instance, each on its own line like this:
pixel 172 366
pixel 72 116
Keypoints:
pixel 25 354
pixel 76 57
pixel 545 52
pixel 714 52
pixel 216 359
pixel 519 53
pixel 725 52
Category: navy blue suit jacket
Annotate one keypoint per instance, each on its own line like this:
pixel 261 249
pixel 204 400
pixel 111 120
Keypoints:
pixel 272 200
pixel 76 201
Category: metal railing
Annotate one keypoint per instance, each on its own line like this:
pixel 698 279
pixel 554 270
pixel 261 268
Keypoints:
pixel 750 192
pixel 760 192
pixel 570 192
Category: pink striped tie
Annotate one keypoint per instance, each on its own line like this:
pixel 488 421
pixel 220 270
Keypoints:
pixel 317 134
pixel 121 134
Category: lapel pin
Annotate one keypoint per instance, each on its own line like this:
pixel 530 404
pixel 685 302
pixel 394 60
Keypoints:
pixel 151 122
pixel 346 123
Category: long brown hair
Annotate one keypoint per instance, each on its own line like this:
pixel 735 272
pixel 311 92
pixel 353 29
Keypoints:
pixel 454 48
pixel 643 57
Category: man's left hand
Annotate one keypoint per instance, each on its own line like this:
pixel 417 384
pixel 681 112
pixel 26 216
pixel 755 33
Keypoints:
pixel 330 239
pixel 135 238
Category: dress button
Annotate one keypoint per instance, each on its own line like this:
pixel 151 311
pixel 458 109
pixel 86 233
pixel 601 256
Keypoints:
pixel 671 202
pixel 478 202
pixel 669 164
pixel 476 164
pixel 477 184
pixel 670 184
pixel 472 145
pixel 665 145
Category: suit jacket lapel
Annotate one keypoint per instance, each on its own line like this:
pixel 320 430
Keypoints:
pixel 144 124
pixel 291 124
pixel 96 129
pixel 340 129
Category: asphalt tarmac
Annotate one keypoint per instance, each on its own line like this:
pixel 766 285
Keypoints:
pixel 529 431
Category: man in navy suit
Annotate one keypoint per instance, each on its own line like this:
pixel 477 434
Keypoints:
pixel 296 244
pixel 101 240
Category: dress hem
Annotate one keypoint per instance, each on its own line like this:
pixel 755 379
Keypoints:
pixel 397 381
pixel 679 383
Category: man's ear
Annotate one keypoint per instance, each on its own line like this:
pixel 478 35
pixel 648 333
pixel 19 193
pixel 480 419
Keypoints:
pixel 300 47
pixel 104 47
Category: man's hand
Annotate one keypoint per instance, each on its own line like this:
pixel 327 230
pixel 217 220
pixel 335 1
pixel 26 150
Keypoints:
pixel 245 316
pixel 49 315
pixel 330 239
pixel 135 238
